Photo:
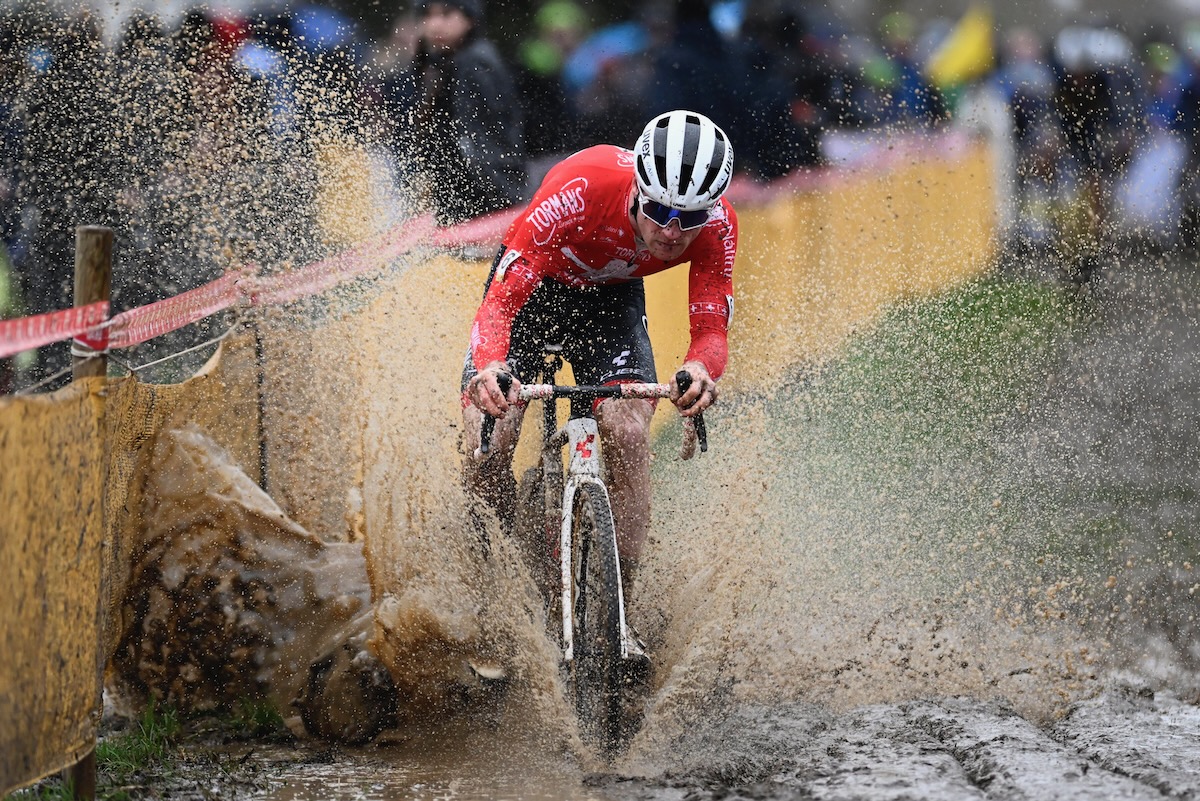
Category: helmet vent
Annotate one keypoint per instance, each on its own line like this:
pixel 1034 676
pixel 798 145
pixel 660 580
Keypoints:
pixel 691 148
pixel 645 178
pixel 714 167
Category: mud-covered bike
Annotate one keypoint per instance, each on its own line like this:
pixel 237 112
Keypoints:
pixel 602 659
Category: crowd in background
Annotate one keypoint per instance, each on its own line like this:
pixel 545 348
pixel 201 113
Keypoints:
pixel 185 135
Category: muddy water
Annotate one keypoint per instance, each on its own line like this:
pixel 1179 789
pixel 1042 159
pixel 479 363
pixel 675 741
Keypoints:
pixel 881 609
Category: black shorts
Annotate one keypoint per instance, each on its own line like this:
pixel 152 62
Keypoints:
pixel 602 330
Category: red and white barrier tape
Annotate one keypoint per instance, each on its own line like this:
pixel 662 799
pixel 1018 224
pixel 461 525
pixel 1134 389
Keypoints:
pixel 92 329
pixel 26 333
pixel 146 322
pixel 312 279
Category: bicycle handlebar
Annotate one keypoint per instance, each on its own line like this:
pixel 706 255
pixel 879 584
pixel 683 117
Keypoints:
pixel 683 379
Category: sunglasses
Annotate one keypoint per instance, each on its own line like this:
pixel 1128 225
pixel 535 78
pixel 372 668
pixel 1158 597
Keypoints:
pixel 662 215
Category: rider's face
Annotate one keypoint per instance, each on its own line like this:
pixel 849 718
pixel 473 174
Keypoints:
pixel 664 243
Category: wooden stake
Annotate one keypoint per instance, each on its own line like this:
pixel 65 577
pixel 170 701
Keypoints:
pixel 93 282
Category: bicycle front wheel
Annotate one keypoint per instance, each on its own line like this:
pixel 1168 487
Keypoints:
pixel 594 672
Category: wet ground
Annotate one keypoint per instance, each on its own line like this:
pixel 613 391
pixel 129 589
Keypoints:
pixel 1127 743
pixel 865 649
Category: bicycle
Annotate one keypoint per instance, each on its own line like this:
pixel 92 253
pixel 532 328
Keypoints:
pixel 601 657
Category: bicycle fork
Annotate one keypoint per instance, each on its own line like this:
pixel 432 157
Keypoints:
pixel 583 440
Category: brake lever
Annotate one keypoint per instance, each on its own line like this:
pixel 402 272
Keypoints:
pixel 683 379
pixel 489 423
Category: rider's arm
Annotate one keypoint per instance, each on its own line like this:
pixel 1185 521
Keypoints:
pixel 710 309
pixel 511 285
pixel 510 288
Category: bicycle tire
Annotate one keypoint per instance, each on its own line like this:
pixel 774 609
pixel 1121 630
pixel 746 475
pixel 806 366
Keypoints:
pixel 594 672
pixel 530 535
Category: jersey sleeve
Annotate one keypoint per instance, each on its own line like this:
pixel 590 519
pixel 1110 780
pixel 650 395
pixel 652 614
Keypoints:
pixel 710 295
pixel 510 287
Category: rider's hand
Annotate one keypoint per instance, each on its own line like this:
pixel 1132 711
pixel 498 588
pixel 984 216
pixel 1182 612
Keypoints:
pixel 483 390
pixel 700 395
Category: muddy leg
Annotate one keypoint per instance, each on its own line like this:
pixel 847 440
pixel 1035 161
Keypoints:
pixel 489 482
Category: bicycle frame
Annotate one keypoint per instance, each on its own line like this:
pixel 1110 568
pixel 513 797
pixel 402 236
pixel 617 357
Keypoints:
pixel 583 467
pixel 582 438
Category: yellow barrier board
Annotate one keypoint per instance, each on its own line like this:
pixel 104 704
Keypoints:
pixel 52 497
pixel 70 490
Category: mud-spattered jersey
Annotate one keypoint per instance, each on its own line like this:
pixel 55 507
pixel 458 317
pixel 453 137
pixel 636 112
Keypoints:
pixel 577 231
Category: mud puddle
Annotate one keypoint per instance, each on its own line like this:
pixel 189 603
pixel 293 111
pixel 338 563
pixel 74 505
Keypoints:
pixel 1127 743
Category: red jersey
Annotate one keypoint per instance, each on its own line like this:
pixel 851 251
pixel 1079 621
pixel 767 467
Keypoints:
pixel 577 231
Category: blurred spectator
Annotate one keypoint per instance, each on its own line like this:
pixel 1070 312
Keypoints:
pixel 1188 125
pixel 797 90
pixel 609 77
pixel 1098 103
pixel 909 97
pixel 1147 202
pixel 268 60
pixel 695 68
pixel 66 165
pixel 460 128
pixel 551 128
pixel 143 62
pixel 320 47
pixel 1025 85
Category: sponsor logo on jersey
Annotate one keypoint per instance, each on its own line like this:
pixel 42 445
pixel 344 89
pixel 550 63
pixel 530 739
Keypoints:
pixel 477 339
pixel 625 158
pixel 622 359
pixel 730 246
pixel 566 202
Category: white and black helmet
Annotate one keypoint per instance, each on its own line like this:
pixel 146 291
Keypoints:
pixel 683 161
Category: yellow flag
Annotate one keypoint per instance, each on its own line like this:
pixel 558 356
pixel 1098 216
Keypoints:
pixel 967 53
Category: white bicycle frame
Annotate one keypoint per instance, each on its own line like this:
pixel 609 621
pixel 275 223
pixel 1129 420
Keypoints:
pixel 583 468
pixel 583 439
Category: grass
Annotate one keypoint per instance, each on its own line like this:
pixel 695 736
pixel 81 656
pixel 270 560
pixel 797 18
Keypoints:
pixel 255 720
pixel 943 372
pixel 151 751
pixel 895 456
pixel 146 745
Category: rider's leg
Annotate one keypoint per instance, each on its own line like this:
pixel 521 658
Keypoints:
pixel 625 442
pixel 491 480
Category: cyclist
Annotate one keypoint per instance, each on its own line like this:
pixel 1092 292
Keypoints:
pixel 570 271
